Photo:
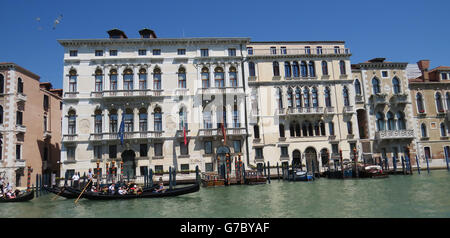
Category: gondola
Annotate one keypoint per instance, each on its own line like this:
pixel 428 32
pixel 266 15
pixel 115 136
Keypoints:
pixel 27 196
pixel 299 175
pixel 146 194
pixel 64 193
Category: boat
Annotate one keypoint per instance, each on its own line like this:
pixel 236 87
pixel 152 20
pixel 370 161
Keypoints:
pixel 146 194
pixel 254 178
pixel 373 171
pixel 299 175
pixel 61 191
pixel 27 196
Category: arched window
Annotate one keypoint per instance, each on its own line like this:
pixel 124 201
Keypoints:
pixel 205 77
pixel 306 97
pixel 236 123
pixel 142 79
pixel 72 80
pixel 1 115
pixel 420 104
pixel 327 97
pixel 331 128
pixel 157 116
pixel 439 105
pixel 303 69
pixel 290 98
pixel 447 100
pixel 324 68
pixel 72 120
pixel 2 84
pixel 298 97
pixel 219 77
pixel 292 129
pixel 281 128
pixel 181 77
pixel 276 68
pixel 396 85
pixel 316 129
pixel 113 79
pixel 423 129
pixel 357 87
pixel 251 69
pixel 207 121
pixel 127 79
pixel 287 69
pixel 312 69
pixel 304 129
pixel 376 86
pixel 113 121
pixel 349 128
pixel 346 97
pixel 342 67
pixel 143 119
pixel 98 121
pixel 443 130
pixel 20 85
pixel 128 120
pixel 380 121
pixel 315 99
pixel 280 98
pixel 256 131
pixel 297 130
pixel 322 128
pixel 401 122
pixel 295 69
pixel 233 77
pixel 157 79
pixel 390 121
pixel 183 123
pixel 98 80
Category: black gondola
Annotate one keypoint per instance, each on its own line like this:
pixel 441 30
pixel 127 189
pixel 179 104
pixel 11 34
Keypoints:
pixel 145 194
pixel 27 196
pixel 64 193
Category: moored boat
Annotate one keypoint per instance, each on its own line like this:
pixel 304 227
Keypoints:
pixel 61 191
pixel 27 196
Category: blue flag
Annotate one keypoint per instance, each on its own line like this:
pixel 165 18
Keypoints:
pixel 121 129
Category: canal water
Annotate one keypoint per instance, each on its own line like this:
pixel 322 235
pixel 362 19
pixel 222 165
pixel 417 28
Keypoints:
pixel 425 195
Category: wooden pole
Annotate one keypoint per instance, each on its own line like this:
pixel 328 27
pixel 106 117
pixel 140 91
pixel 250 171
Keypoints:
pixel 278 172
pixel 342 164
pixel 446 158
pixel 174 176
pixel 107 172
pixel 37 185
pixel 197 174
pixel 121 171
pixel 28 178
pixel 113 168
pixel 428 164
pixel 90 180
pixel 403 165
pixel 170 177
pixel 409 164
pixel 417 164
pixel 356 162
pixel 268 170
pixel 151 177
pixel 98 175
pixel 394 163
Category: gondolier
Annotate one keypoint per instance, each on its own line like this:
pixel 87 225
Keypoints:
pixel 76 179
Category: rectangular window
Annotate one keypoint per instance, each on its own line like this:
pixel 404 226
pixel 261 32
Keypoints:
pixel 73 53
pixel 336 50
pixel 159 169
pixel 70 173
pixel 208 167
pixel 143 170
pixel 181 51
pixel 319 50
pixel 143 150
pixel 427 152
pixel 19 118
pixel 259 152
pixel 284 151
pixel 307 50
pixel 71 153
pixel 99 53
pixel 113 53
pixel 142 52
pixel 156 52
pixel 250 50
pixel 18 152
pixel 184 167
pixel 237 146
pixel 184 149
pixel 112 151
pixel 273 50
pixel 98 152
pixel 231 52
pixel 335 148
pixel 204 52
pixel 158 149
pixel 208 147
pixel 444 76
pixel 384 74
pixel 283 50
pixel 45 102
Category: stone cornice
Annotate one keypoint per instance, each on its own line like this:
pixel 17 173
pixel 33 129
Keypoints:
pixel 156 41
pixel 300 82
pixel 384 65
pixel 296 56
pixel 13 66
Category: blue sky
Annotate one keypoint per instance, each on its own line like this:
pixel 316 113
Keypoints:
pixel 402 31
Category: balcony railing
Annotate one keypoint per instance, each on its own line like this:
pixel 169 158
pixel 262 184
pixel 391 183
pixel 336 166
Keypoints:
pixel 69 137
pixel 329 110
pixel 21 128
pixel 394 134
pixel 379 99
pixel 348 109
pixel 305 110
pixel 301 51
pixel 129 93
pixel 399 98
pixel 224 90
pixel 235 131
pixel 208 132
pixel 218 132
pixel 359 99
pixel 21 97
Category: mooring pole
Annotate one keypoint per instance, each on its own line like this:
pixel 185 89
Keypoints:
pixel 268 171
pixel 394 163
pixel 403 164
pixel 428 164
pixel 170 177
pixel 150 175
pixel 342 164
pixel 197 174
pixel 37 185
pixel 228 168
pixel 278 172
pixel 113 172
pixel 356 162
pixel 417 164
pixel 107 172
pixel 446 158
pixel 28 178
pixel 409 164
pixel 174 178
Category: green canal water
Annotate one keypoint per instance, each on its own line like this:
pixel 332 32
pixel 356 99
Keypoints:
pixel 425 195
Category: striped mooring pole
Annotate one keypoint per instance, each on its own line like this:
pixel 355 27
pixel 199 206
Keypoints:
pixel 98 175
pixel 121 171
pixel 29 178
pixel 228 169
pixel 113 168
pixel 107 172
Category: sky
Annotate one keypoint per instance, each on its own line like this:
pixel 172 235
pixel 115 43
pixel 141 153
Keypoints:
pixel 400 31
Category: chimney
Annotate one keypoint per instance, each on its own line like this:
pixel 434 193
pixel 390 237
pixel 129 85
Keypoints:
pixel 423 66
pixel 147 33
pixel 117 34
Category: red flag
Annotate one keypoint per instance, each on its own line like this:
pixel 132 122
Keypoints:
pixel 184 132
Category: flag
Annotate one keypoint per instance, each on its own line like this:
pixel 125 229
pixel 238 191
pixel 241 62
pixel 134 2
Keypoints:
pixel 184 133
pixel 223 133
pixel 121 129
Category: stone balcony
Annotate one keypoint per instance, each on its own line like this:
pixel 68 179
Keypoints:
pixel 359 99
pixel 126 135
pixel 378 99
pixel 69 137
pixel 348 110
pixel 21 97
pixel 399 99
pixel 21 128
pixel 313 52
pixel 304 111
pixel 214 132
pixel 131 93
pixel 224 90
pixel 394 134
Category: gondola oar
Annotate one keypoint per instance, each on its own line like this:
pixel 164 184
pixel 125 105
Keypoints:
pixel 62 190
pixel 90 180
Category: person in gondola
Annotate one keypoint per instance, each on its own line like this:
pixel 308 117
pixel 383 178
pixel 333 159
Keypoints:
pixel 93 189
pixel 17 192
pixel 105 190
pixel 161 188
pixel 2 181
pixel 122 191
pixel 90 176
pixel 76 179
pixel 112 189
pixel 10 194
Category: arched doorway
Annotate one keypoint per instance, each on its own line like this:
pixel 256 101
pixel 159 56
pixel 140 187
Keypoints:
pixel 324 155
pixel 129 165
pixel 222 151
pixel 296 159
pixel 311 157
pixel 362 123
